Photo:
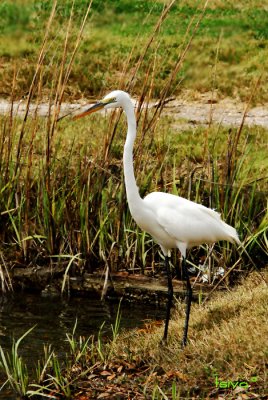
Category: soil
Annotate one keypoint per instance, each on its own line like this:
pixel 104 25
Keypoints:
pixel 133 287
pixel 228 112
pixel 204 109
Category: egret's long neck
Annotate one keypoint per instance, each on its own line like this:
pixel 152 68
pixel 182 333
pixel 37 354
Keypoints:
pixel 132 190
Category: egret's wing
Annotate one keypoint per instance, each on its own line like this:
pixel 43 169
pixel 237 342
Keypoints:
pixel 186 221
pixel 185 225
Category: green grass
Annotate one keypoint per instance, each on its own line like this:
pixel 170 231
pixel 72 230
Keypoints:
pixel 14 367
pixel 239 31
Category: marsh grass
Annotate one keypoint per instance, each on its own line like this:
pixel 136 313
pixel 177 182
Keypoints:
pixel 62 190
pixel 14 367
pixel 115 25
pixel 83 217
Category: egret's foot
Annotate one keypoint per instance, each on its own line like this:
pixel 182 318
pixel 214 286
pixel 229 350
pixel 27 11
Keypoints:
pixel 183 343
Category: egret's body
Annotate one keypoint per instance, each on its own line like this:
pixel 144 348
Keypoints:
pixel 175 222
pixel 172 221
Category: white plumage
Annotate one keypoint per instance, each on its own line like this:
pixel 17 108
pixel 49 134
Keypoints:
pixel 175 222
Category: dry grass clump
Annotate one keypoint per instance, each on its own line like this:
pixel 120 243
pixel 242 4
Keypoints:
pixel 227 339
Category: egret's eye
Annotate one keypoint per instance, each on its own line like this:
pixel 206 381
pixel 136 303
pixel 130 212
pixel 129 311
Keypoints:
pixel 109 100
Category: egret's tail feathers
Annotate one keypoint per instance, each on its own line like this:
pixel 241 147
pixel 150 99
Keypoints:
pixel 232 234
pixel 236 239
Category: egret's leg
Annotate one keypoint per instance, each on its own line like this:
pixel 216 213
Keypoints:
pixel 188 301
pixel 177 271
pixel 170 297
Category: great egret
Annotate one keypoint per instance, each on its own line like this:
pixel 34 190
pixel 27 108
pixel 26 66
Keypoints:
pixel 173 222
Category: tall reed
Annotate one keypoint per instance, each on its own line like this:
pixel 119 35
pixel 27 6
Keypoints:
pixel 62 189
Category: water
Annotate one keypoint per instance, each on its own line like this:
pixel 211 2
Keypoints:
pixel 54 317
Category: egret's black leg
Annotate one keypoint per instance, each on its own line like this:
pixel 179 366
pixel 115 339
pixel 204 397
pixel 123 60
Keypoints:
pixel 169 298
pixel 185 275
pixel 177 271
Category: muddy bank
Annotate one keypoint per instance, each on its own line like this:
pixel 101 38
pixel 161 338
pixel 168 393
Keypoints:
pixel 132 287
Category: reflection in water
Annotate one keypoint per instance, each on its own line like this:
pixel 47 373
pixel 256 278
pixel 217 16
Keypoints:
pixel 54 317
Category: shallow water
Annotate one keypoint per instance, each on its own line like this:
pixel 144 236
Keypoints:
pixel 54 317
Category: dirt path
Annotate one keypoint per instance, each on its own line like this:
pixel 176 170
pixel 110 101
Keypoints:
pixel 226 112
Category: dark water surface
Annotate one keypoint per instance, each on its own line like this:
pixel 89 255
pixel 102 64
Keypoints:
pixel 54 317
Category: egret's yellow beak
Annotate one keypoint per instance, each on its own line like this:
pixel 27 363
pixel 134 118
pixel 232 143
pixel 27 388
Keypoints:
pixel 90 110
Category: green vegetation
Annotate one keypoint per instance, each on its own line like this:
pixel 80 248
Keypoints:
pixel 231 38
pixel 15 369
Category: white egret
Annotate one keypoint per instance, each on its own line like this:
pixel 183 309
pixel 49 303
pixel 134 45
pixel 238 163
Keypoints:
pixel 172 221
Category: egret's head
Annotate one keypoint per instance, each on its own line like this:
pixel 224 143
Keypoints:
pixel 115 99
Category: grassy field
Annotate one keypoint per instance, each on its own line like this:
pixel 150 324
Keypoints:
pixel 228 52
